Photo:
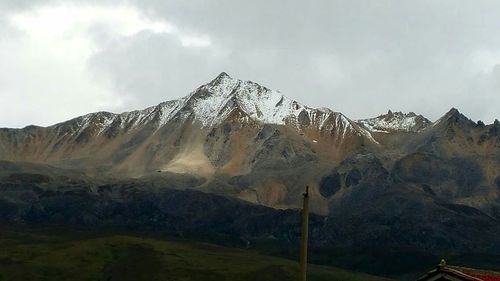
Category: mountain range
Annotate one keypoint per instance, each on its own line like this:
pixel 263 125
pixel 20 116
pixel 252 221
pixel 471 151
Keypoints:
pixel 396 180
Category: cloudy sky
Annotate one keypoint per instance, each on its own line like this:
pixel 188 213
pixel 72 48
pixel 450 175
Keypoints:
pixel 60 59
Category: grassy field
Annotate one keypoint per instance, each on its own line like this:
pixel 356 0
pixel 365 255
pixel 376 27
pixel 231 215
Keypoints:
pixel 29 255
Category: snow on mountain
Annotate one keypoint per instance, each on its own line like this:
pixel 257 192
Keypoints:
pixel 216 100
pixel 102 121
pixel 212 103
pixel 395 122
pixel 258 102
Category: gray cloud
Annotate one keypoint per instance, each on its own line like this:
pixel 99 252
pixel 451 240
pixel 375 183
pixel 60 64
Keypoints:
pixel 357 57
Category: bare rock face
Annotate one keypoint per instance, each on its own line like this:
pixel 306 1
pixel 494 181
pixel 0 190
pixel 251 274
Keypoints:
pixel 398 173
pixel 396 122
pixel 226 127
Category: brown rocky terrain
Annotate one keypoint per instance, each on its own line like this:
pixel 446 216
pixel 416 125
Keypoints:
pixel 247 139
pixel 397 180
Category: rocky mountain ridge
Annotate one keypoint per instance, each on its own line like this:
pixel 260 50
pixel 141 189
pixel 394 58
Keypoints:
pixel 396 121
pixel 210 105
pixel 236 133
pixel 397 180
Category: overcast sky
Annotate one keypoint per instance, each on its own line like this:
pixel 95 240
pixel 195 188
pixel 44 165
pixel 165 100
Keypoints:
pixel 61 59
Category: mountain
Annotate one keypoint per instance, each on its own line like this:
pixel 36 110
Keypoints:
pixel 160 137
pixel 396 121
pixel 205 163
pixel 228 130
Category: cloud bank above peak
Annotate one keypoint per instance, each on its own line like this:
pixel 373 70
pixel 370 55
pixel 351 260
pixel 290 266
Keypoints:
pixel 62 59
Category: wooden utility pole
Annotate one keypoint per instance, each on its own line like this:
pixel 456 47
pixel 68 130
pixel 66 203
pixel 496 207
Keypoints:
pixel 304 237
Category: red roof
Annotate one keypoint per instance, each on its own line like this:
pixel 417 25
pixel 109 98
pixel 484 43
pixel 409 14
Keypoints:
pixel 461 273
pixel 480 274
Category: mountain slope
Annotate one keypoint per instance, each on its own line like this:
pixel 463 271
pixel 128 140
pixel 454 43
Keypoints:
pixel 102 135
pixel 223 129
pixel 395 181
pixel 76 255
pixel 396 121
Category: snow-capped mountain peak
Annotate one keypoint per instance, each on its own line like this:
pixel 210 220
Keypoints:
pixel 211 104
pixel 395 122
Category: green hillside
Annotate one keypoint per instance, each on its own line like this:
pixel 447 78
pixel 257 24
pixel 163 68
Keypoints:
pixel 27 255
